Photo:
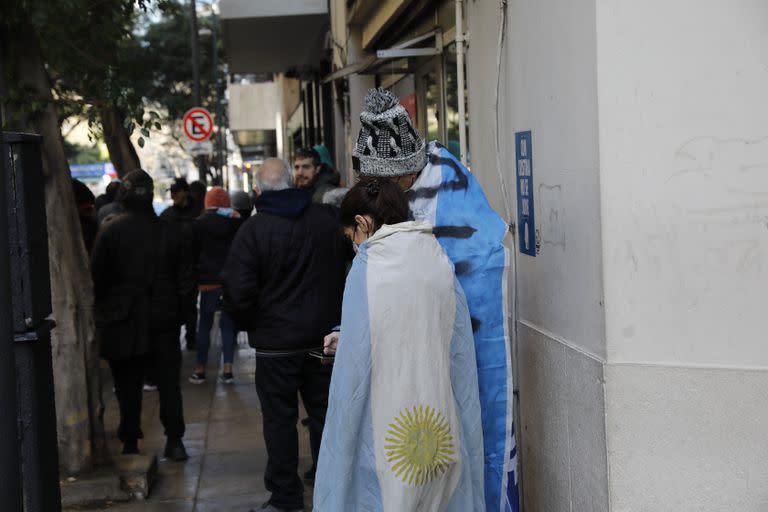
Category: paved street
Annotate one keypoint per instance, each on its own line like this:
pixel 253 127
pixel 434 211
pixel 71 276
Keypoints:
pixel 225 471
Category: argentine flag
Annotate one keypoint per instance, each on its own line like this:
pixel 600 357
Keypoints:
pixel 403 431
pixel 449 197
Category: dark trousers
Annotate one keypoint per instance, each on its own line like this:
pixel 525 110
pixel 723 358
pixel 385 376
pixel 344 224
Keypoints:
pixel 163 365
pixel 279 380
pixel 190 319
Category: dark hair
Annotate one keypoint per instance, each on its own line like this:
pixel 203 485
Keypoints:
pixel 380 198
pixel 83 194
pixel 111 192
pixel 197 190
pixel 179 185
pixel 302 153
pixel 136 191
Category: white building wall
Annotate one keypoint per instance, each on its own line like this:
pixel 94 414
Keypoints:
pixel 359 85
pixel 684 173
pixel 650 158
pixel 253 106
pixel 548 86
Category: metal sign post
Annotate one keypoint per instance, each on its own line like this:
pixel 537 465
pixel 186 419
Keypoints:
pixel 198 124
pixel 10 463
pixel 26 289
pixel 198 127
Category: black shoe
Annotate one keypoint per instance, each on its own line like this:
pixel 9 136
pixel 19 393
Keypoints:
pixel 174 450
pixel 197 378
pixel 130 447
pixel 227 378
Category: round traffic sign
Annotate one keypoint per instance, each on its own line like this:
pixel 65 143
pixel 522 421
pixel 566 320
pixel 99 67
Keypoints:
pixel 198 124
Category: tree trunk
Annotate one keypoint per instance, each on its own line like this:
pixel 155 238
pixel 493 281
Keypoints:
pixel 79 407
pixel 121 151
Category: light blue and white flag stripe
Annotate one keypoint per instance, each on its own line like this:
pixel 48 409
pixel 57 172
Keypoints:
pixel 448 196
pixel 403 430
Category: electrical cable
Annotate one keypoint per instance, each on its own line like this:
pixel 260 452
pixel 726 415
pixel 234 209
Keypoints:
pixel 512 228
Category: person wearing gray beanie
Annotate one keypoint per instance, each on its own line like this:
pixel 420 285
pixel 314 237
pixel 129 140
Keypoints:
pixel 445 193
pixel 388 146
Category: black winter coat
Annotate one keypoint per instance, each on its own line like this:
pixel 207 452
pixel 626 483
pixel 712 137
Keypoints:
pixel 284 277
pixel 213 235
pixel 185 215
pixel 140 274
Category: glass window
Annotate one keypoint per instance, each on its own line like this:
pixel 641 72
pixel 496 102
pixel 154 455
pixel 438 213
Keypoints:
pixel 432 103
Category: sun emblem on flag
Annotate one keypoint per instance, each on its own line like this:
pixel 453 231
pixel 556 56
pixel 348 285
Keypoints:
pixel 419 445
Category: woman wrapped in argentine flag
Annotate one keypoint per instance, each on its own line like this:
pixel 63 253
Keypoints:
pixel 403 430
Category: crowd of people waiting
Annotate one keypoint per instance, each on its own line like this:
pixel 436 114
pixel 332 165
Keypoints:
pixel 353 300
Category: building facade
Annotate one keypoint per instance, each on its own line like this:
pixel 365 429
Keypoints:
pixel 639 348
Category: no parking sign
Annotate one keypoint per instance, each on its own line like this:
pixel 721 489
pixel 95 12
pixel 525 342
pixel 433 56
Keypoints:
pixel 198 124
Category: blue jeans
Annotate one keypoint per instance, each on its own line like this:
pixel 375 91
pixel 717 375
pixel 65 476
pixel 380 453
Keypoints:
pixel 210 302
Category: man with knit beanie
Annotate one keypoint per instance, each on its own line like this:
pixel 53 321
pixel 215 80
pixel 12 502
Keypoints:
pixel 445 193
pixel 213 232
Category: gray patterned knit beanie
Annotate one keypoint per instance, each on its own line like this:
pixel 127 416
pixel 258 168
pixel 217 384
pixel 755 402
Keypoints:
pixel 388 145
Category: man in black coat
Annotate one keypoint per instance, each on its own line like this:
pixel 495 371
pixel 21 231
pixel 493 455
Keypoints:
pixel 183 212
pixel 283 283
pixel 140 275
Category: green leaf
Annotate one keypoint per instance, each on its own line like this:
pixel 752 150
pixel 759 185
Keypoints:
pixel 157 126
pixel 145 132
pixel 141 142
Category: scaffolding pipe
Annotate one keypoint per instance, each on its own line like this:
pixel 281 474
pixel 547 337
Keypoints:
pixel 460 80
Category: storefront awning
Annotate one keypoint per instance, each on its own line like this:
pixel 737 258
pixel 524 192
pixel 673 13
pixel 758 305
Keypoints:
pixel 274 36
pixel 396 59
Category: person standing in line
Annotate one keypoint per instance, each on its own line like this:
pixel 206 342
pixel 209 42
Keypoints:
pixel 242 203
pixel 444 193
pixel 140 276
pixel 183 212
pixel 403 430
pixel 312 175
pixel 86 212
pixel 197 191
pixel 283 283
pixel 214 231
pixel 110 206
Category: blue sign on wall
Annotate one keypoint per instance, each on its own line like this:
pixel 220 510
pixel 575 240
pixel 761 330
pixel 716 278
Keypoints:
pixel 526 224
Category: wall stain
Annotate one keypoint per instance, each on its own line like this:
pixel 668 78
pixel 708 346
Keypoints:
pixel 552 215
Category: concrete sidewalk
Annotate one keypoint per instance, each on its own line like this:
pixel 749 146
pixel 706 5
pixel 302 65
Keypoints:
pixel 227 457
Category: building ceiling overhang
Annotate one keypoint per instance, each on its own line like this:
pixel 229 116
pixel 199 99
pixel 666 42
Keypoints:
pixel 274 36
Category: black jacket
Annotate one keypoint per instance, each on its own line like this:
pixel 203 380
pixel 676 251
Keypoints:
pixel 284 277
pixel 325 180
pixel 140 272
pixel 213 235
pixel 185 215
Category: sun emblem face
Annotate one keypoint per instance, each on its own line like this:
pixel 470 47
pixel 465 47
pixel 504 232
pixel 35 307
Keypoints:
pixel 419 445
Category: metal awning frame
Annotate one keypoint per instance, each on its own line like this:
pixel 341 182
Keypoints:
pixel 402 51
